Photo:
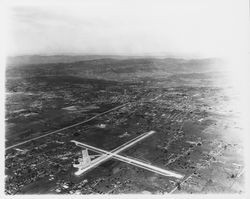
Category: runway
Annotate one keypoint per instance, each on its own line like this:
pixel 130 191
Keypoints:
pixel 114 154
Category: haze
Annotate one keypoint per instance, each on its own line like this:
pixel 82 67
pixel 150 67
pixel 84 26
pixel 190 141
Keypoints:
pixel 196 28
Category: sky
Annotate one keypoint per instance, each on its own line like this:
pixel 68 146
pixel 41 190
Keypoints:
pixel 186 28
pixel 133 27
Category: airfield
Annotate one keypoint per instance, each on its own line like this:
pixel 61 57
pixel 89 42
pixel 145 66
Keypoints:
pixel 105 103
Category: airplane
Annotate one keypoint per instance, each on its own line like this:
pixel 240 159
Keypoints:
pixel 86 164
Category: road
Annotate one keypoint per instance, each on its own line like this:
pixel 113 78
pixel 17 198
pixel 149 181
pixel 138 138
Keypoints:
pixel 67 127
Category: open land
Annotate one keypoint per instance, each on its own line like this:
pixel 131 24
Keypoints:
pixel 107 102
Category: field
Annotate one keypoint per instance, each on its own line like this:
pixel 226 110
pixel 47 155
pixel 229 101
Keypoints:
pixel 106 102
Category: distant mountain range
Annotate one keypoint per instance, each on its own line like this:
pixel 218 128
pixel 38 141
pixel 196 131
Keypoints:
pixel 45 59
pixel 108 67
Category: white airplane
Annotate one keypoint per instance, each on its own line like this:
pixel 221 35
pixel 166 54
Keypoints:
pixel 85 163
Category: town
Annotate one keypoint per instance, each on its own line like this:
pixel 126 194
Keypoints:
pixel 192 122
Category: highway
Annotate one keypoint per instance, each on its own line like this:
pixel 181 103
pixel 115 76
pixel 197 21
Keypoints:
pixel 67 127
pixel 73 125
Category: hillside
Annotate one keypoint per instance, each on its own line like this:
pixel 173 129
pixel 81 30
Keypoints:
pixel 116 69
